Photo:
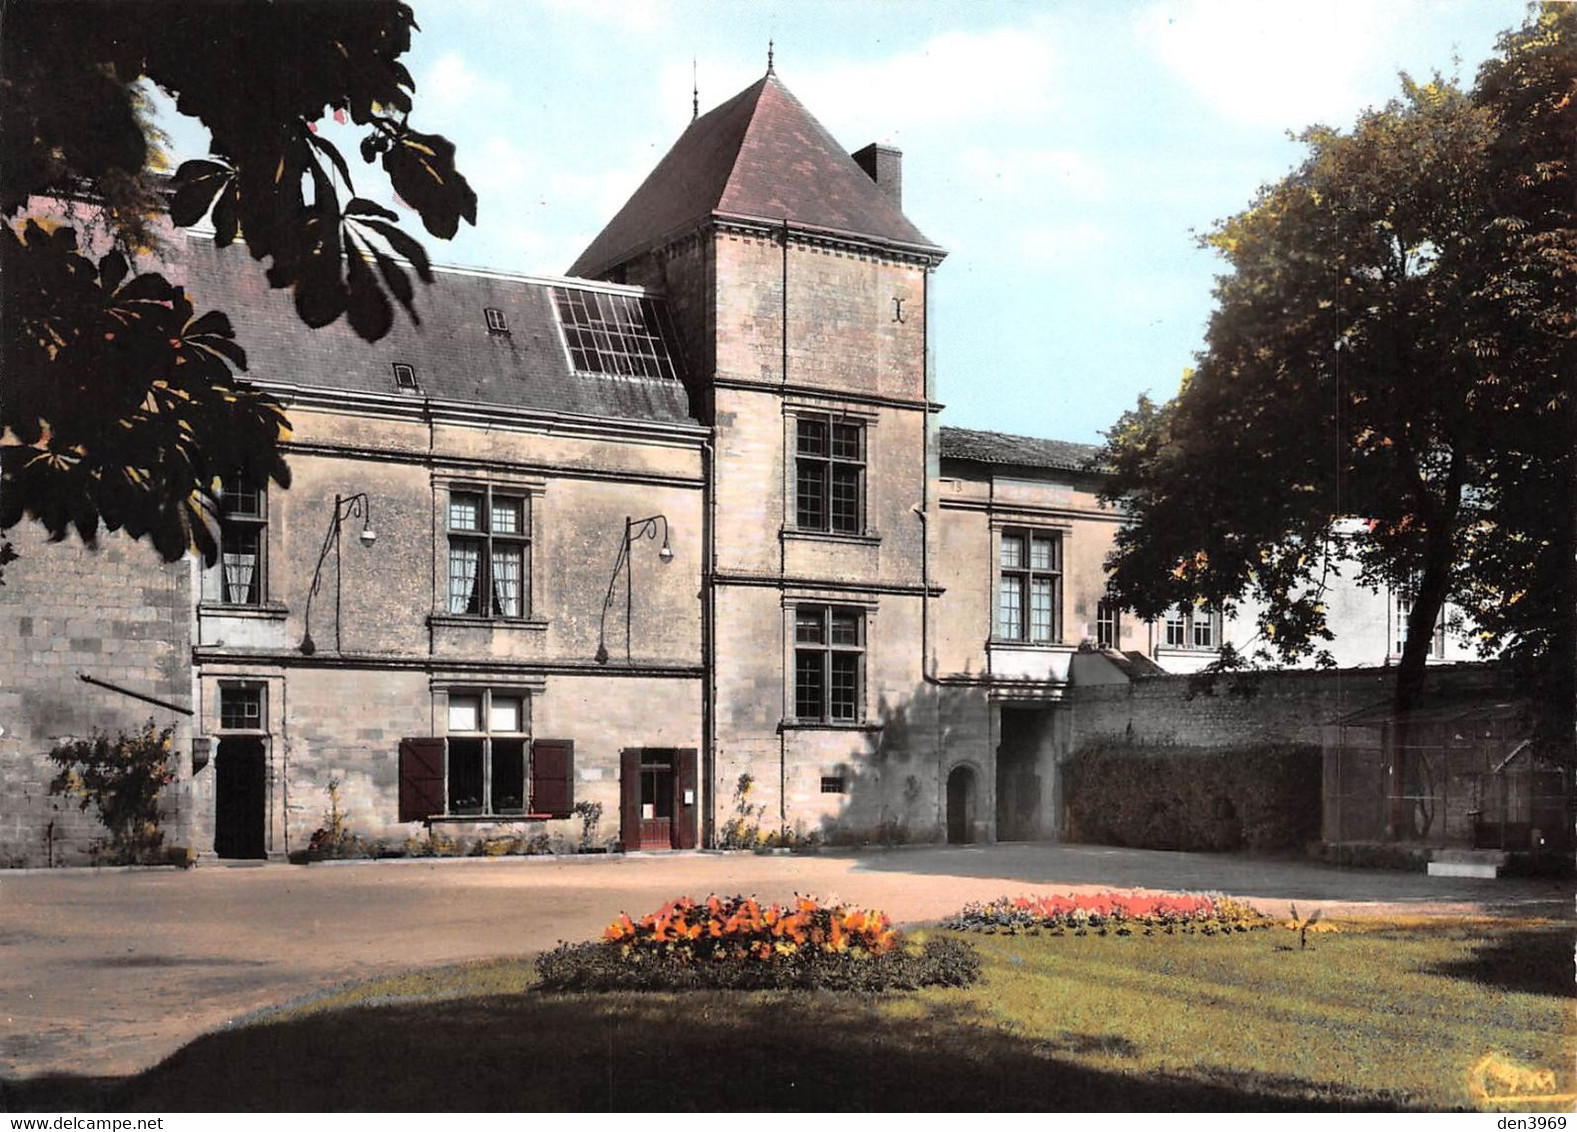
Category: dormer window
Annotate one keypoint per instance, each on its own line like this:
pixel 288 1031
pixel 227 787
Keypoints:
pixel 495 320
pixel 404 375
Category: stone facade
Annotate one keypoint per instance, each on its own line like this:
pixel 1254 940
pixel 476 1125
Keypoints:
pixel 715 567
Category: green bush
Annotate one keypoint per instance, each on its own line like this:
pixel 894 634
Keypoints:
pixel 1261 797
pixel 600 966
pixel 121 778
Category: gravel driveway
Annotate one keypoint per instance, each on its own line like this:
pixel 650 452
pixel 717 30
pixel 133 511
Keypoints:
pixel 109 971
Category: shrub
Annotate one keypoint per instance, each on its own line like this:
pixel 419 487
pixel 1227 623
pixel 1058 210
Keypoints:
pixel 122 779
pixel 435 844
pixel 1263 797
pixel 512 845
pixel 334 839
pixel 590 815
pixel 737 942
pixel 1109 913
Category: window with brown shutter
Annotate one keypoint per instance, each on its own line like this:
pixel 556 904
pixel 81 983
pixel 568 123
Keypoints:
pixel 421 778
pixel 553 777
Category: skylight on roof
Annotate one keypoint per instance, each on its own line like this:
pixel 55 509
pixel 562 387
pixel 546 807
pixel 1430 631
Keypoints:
pixel 404 375
pixel 613 334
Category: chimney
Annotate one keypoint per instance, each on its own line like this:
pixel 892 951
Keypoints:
pixel 884 165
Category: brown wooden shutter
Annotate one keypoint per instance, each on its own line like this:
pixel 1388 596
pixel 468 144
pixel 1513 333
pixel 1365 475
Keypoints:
pixel 553 777
pixel 685 814
pixel 630 798
pixel 421 778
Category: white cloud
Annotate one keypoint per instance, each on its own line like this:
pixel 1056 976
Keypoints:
pixel 1022 174
pixel 451 88
pixel 1055 246
pixel 1281 64
pixel 629 15
pixel 956 79
pixel 497 166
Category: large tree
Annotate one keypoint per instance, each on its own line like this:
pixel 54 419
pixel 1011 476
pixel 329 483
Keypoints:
pixel 123 406
pixel 1386 385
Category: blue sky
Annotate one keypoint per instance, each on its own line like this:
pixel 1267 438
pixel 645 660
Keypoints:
pixel 1065 154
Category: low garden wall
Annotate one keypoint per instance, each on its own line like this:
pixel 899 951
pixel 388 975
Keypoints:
pixel 1261 796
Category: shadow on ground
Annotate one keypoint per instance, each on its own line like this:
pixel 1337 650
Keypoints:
pixel 1526 962
pixel 1288 877
pixel 706 1051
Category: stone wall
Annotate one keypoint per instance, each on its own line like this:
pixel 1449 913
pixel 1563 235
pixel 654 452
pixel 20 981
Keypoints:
pixel 117 614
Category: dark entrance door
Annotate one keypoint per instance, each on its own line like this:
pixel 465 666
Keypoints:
pixel 240 798
pixel 1018 773
pixel 961 806
pixel 657 794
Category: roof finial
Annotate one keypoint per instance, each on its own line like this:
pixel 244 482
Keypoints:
pixel 770 71
pixel 695 92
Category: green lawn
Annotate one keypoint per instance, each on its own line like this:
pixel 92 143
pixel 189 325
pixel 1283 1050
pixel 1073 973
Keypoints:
pixel 1379 1016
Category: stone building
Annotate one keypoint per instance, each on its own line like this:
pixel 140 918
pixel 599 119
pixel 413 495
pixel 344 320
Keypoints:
pixel 677 536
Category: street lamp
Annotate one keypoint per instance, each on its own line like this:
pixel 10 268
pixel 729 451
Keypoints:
pixel 633 529
pixel 345 507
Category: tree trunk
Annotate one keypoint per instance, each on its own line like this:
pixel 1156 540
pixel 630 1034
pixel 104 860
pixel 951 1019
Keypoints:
pixel 1428 598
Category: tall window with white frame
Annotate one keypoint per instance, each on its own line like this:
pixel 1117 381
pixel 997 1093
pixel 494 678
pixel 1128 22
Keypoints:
pixel 243 531
pixel 1403 606
pixel 829 474
pixel 829 659
pixel 486 753
pixel 1192 628
pixel 489 553
pixel 1108 624
pixel 1029 587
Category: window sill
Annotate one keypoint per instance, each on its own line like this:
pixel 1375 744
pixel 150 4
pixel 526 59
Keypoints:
pixel 1039 646
pixel 1186 650
pixel 486 819
pixel 462 621
pixel 825 725
pixel 871 538
pixel 267 612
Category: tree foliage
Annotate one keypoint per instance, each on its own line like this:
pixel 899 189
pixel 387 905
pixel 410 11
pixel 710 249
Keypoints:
pixel 1392 348
pixel 124 403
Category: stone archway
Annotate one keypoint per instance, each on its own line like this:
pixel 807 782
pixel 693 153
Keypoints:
pixel 962 791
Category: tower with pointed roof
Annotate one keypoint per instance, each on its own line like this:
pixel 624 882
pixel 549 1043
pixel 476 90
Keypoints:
pixel 799 289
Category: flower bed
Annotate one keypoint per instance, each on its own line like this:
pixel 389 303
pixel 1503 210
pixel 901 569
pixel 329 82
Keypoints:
pixel 1109 913
pixel 737 941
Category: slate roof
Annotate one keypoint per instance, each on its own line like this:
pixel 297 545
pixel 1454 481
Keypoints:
pixel 1022 451
pixel 455 356
pixel 758 156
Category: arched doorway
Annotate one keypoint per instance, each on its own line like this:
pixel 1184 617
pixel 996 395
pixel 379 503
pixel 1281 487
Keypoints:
pixel 961 806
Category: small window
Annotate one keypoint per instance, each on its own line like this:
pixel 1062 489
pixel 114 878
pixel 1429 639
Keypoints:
pixel 832 784
pixel 1192 628
pixel 404 375
pixel 240 707
pixel 495 320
